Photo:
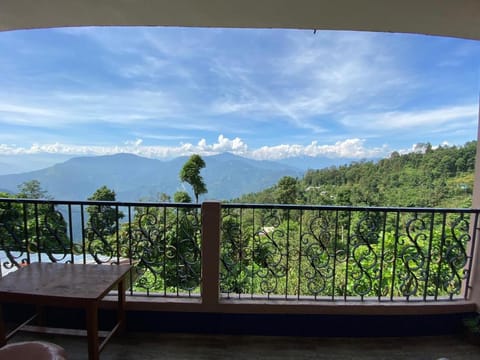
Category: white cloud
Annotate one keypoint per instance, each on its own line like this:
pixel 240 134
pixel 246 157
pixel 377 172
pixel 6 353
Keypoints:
pixel 317 77
pixel 434 117
pixel 28 114
pixel 237 146
pixel 26 110
pixel 430 119
pixel 52 109
pixel 248 96
pixel 350 148
pixel 136 142
pixel 339 70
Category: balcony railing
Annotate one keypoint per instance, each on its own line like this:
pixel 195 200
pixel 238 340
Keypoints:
pixel 347 253
pixel 317 253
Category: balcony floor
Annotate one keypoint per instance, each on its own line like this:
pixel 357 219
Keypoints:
pixel 133 346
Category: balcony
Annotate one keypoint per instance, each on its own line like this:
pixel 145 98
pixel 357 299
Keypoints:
pixel 262 269
pixel 325 270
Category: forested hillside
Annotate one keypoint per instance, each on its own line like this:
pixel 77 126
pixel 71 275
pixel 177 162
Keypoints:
pixel 432 177
pixel 133 177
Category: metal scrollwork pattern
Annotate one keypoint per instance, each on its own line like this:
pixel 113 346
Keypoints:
pixel 12 236
pixel 412 256
pixel 346 253
pixel 254 252
pixel 454 256
pixel 52 236
pixel 29 230
pixel 235 255
pixel 270 253
pixel 187 248
pixel 165 248
pixel 266 251
pixel 364 260
pixel 100 234
pixel 318 256
pixel 148 249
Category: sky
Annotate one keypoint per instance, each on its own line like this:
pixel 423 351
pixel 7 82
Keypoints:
pixel 163 92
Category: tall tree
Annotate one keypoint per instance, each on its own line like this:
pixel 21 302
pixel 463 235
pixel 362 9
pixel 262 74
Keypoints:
pixel 102 218
pixel 32 190
pixel 190 173
pixel 287 190
pixel 182 197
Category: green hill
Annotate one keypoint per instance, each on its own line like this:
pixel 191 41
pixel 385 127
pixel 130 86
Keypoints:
pixel 433 177
pixel 133 177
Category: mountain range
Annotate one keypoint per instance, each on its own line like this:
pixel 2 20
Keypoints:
pixel 135 178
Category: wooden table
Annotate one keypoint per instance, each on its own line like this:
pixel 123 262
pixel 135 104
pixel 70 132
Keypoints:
pixel 66 285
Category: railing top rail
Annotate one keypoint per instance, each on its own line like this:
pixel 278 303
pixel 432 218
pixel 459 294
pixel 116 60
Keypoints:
pixel 100 203
pixel 349 208
pixel 244 206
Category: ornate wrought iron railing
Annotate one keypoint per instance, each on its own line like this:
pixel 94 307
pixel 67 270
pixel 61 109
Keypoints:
pixel 162 240
pixel 265 251
pixel 346 253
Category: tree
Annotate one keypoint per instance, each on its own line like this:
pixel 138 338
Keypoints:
pixel 287 190
pixel 190 173
pixel 103 218
pixel 182 197
pixel 11 226
pixel 102 224
pixel 163 197
pixel 32 190
pixel 46 226
pixel 33 227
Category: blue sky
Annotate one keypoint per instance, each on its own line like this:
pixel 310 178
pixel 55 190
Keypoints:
pixel 265 94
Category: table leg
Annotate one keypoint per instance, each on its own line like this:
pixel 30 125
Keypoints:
pixel 121 319
pixel 92 331
pixel 3 333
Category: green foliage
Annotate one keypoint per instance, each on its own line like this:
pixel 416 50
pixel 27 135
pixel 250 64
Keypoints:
pixel 182 197
pixel 32 190
pixel 165 245
pixel 345 253
pixel 163 197
pixel 32 227
pixel 190 173
pixel 102 219
pixel 102 224
pixel 441 177
pixel 286 190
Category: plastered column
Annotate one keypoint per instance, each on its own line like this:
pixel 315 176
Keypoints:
pixel 210 252
pixel 475 275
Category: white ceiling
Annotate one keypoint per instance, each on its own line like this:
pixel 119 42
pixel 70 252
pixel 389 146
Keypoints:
pixel 457 18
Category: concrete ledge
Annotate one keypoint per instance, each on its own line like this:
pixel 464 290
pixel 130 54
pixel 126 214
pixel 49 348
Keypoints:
pixel 322 320
pixel 194 304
